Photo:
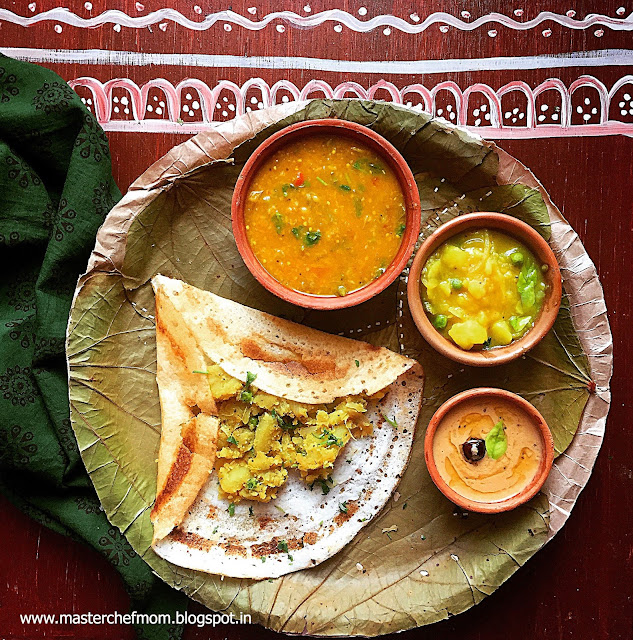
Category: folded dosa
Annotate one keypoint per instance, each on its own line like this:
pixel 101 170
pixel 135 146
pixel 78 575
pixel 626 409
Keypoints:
pixel 193 526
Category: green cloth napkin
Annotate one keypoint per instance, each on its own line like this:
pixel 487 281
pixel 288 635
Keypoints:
pixel 56 188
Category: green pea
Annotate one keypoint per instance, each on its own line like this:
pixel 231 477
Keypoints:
pixel 440 321
pixel 516 258
pixel 456 284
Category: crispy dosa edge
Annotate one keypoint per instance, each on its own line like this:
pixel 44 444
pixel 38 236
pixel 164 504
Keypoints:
pixel 290 360
pixel 190 469
pixel 189 427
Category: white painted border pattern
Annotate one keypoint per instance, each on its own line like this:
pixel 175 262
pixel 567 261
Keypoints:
pixel 102 94
pixel 340 17
pixel 594 58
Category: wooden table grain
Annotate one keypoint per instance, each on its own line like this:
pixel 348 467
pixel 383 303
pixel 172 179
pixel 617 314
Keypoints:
pixel 553 88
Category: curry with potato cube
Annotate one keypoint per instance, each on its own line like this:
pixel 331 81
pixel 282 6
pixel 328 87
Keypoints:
pixel 483 289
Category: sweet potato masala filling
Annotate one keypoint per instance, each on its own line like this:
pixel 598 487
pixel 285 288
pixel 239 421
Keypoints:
pixel 263 436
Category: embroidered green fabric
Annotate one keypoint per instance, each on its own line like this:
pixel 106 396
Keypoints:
pixel 56 188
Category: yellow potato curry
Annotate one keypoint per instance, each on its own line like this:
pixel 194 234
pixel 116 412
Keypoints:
pixel 325 215
pixel 483 289
pixel 263 436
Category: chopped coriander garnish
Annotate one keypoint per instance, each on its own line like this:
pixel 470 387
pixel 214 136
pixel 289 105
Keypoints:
pixel 342 507
pixel 278 221
pixel 251 484
pixel 333 440
pixel 357 363
pixel 284 422
pixel 250 511
pixel 330 439
pixel 297 232
pixel 282 545
pixel 324 487
pixel 312 237
pixel 232 439
pixel 231 509
pixel 400 230
pixel 363 164
pixel 246 395
pixel 345 187
pixel 375 167
pixel 262 558
pixel 286 187
pixel 391 421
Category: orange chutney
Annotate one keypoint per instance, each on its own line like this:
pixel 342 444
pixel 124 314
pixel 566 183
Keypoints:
pixel 325 215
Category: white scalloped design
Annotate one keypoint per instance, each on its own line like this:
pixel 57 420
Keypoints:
pixel 210 107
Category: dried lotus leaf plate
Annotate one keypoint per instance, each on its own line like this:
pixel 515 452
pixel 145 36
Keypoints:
pixel 415 563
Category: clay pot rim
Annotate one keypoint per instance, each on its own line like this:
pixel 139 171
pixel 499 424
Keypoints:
pixel 514 501
pixel 369 138
pixel 551 304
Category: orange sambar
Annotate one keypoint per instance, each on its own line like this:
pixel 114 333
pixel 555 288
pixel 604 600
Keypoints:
pixel 325 215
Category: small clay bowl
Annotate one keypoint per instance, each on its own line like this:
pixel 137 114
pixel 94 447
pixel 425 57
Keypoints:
pixel 337 128
pixel 544 321
pixel 486 394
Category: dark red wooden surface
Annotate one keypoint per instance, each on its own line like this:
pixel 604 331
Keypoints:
pixel 581 585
